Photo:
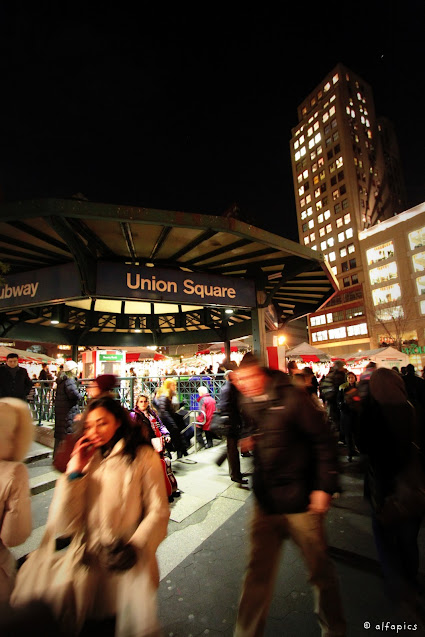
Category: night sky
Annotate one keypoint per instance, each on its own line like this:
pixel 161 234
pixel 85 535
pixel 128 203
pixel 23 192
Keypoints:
pixel 192 109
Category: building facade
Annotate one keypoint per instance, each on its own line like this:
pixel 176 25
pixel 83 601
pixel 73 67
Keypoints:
pixel 341 160
pixel 394 259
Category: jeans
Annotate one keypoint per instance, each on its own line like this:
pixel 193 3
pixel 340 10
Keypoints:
pixel 267 535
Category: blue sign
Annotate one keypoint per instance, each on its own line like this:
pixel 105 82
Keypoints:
pixel 116 280
pixel 38 286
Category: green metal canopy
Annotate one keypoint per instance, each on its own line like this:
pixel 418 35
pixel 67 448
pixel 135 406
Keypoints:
pixel 73 242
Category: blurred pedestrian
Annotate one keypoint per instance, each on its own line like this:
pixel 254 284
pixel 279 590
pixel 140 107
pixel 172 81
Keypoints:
pixel 229 408
pixel 16 434
pixel 207 405
pixel 67 401
pixel 310 380
pixel 295 475
pixel 45 373
pixel 328 390
pixel 387 435
pixel 113 497
pixel 14 380
pixel 349 402
pixel 102 385
pixel 165 403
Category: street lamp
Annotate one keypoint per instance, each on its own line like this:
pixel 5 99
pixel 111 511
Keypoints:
pixel 281 341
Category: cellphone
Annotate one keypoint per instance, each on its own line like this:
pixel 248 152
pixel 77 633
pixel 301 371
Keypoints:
pixel 90 447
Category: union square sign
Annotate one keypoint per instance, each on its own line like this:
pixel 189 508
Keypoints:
pixel 121 281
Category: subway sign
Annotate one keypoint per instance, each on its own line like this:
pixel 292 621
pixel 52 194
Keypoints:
pixel 161 284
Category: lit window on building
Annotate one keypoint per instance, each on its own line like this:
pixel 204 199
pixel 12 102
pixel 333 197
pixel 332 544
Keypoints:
pixel 353 312
pixel 381 252
pixel 339 162
pixel 335 78
pixel 337 332
pixel 343 252
pixel 302 139
pixel 420 284
pixel 299 178
pixel 312 236
pixel 419 262
pixel 383 273
pixel 319 336
pixel 417 239
pixel 321 232
pixel 327 214
pixel 327 87
pixel 332 256
pixel 329 318
pixel 316 125
pixel 311 143
pixel 310 131
pixel 319 150
pixel 323 245
pixel 314 247
pixel 328 228
pixel 309 211
pixel 303 215
pixel 306 241
pixel 422 306
pixel 347 218
pixel 349 233
pixel 318 320
pixel 301 190
pixel 334 270
pixel 331 242
pixel 320 218
pixel 303 151
pixel 297 155
pixel 317 138
pixel 308 199
pixel 317 192
pixel 325 117
pixel 390 313
pixel 311 224
pixel 357 330
pixel 335 194
pixel 296 144
pixel 351 248
pixel 341 237
pixel 387 294
pixel 305 174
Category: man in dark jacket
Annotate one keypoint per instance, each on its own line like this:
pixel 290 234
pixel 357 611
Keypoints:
pixel 295 475
pixel 228 406
pixel 14 380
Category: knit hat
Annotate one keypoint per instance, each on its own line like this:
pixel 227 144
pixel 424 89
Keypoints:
pixel 106 382
pixel 69 366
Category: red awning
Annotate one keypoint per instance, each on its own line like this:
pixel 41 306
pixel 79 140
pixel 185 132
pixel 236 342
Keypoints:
pixel 310 358
pixel 159 357
pixel 131 357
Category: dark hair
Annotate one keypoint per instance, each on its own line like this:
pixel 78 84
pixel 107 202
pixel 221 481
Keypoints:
pixel 131 435
pixel 248 360
pixel 12 355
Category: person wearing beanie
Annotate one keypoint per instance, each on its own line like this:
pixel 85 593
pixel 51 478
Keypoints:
pixel 102 385
pixel 16 434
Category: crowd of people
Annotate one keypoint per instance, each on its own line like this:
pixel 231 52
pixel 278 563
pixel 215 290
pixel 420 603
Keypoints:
pixel 110 508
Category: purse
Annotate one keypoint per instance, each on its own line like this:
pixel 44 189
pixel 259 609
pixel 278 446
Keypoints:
pixel 60 579
pixel 63 452
pixel 220 425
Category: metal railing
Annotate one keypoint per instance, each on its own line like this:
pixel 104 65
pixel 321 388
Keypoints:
pixel 42 397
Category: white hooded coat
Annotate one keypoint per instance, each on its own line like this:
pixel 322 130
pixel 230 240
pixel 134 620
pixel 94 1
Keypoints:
pixel 16 433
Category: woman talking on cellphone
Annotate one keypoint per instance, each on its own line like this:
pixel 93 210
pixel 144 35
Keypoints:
pixel 113 491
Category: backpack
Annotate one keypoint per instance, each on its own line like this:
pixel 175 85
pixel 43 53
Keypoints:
pixel 327 388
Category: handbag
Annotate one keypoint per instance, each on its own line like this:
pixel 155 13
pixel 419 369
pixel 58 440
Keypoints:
pixel 157 443
pixel 60 579
pixel 63 452
pixel 220 425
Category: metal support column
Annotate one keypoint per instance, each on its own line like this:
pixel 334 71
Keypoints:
pixel 259 334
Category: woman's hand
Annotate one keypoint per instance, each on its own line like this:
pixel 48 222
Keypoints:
pixel 82 453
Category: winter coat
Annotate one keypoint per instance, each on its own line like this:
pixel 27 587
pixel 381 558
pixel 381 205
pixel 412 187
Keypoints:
pixel 166 411
pixel 139 417
pixel 228 406
pixel 207 405
pixel 118 499
pixel 294 451
pixel 16 386
pixel 15 505
pixel 66 405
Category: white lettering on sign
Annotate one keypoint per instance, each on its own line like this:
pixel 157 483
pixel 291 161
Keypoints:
pixel 26 289
pixel 135 282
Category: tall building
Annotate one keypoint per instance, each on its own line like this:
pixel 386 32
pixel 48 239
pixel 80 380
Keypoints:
pixel 341 156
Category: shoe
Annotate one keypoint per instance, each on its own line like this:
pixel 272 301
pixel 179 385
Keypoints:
pixel 239 480
pixel 176 494
pixel 170 498
pixel 246 454
pixel 209 445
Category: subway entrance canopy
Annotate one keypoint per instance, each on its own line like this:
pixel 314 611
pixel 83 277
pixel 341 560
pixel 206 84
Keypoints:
pixel 93 274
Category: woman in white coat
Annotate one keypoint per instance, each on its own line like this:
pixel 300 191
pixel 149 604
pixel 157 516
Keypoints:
pixel 16 433
pixel 113 491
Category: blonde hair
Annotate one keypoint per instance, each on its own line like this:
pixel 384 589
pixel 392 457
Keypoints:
pixel 168 388
pixel 24 430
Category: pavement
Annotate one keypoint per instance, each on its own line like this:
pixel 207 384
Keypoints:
pixel 203 558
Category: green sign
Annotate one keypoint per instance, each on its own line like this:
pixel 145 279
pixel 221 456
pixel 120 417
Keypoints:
pixel 111 357
pixel 414 349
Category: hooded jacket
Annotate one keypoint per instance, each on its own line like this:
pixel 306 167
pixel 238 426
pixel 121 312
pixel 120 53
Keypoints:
pixel 16 433
pixel 66 405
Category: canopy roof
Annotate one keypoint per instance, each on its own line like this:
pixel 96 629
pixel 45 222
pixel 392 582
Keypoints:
pixel 25 355
pixel 291 280
pixel 307 353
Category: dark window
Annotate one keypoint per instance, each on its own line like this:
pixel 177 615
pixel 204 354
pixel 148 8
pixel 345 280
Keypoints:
pixel 341 175
pixel 327 129
pixel 335 136
pixel 337 149
pixel 345 203
pixel 323 188
pixel 333 181
pixel 305 226
pixel 344 266
pixel 355 279
pixel 330 154
pixel 306 185
pixel 333 123
pixel 325 201
pixel 328 141
pixel 337 208
pixel 353 263
pixel 346 281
